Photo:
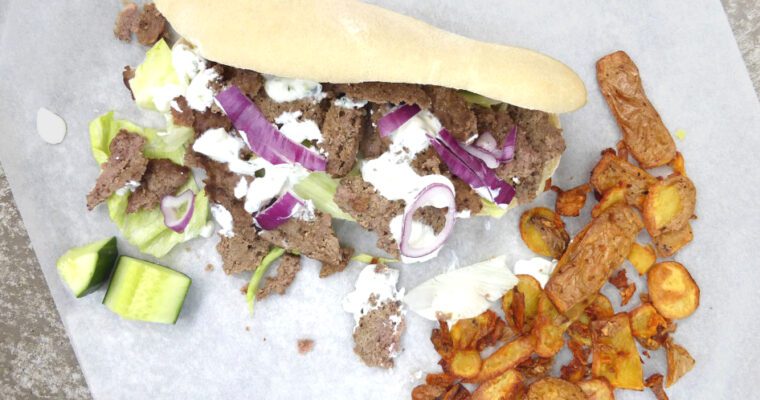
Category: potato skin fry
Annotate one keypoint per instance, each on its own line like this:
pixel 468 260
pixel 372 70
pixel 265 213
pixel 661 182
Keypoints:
pixel 615 195
pixel 570 202
pixel 554 389
pixel 531 291
pixel 509 385
pixel 678 164
pixel 672 290
pixel 543 231
pixel 506 357
pixel 669 243
pixel 680 362
pixel 648 326
pixel 597 389
pixel 465 364
pixel 427 392
pixel 612 171
pixel 598 250
pixel 644 133
pixel 669 205
pixel 615 356
pixel 654 383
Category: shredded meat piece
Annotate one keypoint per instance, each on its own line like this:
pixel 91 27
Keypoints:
pixel 249 82
pixel 382 92
pixel 377 336
pixel 309 110
pixel 241 253
pixel 125 164
pixel 342 130
pixel 314 239
pixel 126 22
pixel 328 269
pixel 161 178
pixel 289 267
pixel 453 112
pixel 372 145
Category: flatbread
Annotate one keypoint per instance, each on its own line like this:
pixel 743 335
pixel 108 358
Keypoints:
pixel 347 41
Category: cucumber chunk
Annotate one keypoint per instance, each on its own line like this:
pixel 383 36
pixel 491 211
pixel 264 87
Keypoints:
pixel 84 269
pixel 143 291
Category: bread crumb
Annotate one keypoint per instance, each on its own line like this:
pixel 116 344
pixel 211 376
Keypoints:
pixel 244 289
pixel 305 346
pixel 209 267
pixel 247 328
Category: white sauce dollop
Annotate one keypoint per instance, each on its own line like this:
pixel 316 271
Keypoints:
pixel 50 126
pixel 130 187
pixel 370 282
pixel 199 94
pixel 297 129
pixel 223 217
pixel 283 90
pixel 347 102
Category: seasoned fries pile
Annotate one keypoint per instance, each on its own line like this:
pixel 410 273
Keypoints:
pixel 511 357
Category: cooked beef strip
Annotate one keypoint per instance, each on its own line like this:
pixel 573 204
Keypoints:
pixel 465 196
pixel 309 109
pixel 242 253
pixel 249 82
pixel 289 266
pixel 125 164
pixel 371 210
pixel 372 145
pixel 126 22
pixel 161 178
pixel 328 269
pixel 151 25
pixel 342 131
pixel 497 122
pixel 314 239
pixel 453 112
pixel 382 93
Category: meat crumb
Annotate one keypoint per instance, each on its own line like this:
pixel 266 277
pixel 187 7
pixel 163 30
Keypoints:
pixel 289 266
pixel 125 164
pixel 126 22
pixel 151 25
pixel 305 346
pixel 247 328
pixel 210 267
pixel 244 289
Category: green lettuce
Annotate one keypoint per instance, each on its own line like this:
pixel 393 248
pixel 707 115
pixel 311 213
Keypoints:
pixel 261 270
pixel 156 80
pixel 146 229
pixel 169 144
pixel 491 209
pixel 320 188
pixel 474 98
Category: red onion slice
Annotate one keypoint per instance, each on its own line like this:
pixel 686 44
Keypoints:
pixel 427 197
pixel 488 158
pixel 278 213
pixel 471 169
pixel 178 210
pixel 508 149
pixel 263 138
pixel 394 119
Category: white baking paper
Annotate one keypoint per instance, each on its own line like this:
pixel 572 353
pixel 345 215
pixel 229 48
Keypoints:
pixel 62 55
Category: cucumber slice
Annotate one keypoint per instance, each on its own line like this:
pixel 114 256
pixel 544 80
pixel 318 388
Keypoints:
pixel 84 269
pixel 143 291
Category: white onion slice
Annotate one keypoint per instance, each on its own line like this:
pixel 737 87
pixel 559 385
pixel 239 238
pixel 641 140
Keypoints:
pixel 438 195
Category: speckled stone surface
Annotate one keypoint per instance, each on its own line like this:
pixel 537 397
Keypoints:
pixel 36 359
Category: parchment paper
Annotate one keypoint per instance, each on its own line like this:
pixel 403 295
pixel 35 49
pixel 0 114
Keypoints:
pixel 62 55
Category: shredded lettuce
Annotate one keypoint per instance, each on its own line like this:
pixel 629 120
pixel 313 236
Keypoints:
pixel 370 259
pixel 320 188
pixel 474 98
pixel 169 144
pixel 261 270
pixel 491 209
pixel 156 82
pixel 146 229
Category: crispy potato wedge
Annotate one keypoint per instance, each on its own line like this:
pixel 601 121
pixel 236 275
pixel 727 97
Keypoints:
pixel 644 133
pixel 456 392
pixel 611 171
pixel 614 353
pixel 464 364
pixel 441 339
pixel 678 164
pixel 544 232
pixel 600 308
pixel 468 334
pixel 590 259
pixel 506 386
pixel 554 389
pixel 680 362
pixel 597 389
pixel 654 383
pixel 441 379
pixel 531 291
pixel 506 357
pixel 535 368
pixel 642 257
pixel 570 202
pixel 647 326
pixel 427 392
pixel 622 150
pixel 672 290
pixel 549 328
pixel 669 205
pixel 614 195
pixel 623 285
pixel 669 243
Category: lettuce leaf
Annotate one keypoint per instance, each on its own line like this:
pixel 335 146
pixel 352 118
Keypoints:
pixel 320 188
pixel 169 144
pixel 156 83
pixel 146 229
pixel 491 209
pixel 261 270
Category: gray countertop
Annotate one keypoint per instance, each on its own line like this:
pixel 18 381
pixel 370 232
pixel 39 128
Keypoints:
pixel 36 359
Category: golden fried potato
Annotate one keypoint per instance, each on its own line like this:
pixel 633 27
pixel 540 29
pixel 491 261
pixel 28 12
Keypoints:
pixel 465 364
pixel 669 205
pixel 549 328
pixel 597 251
pixel 616 194
pixel 672 290
pixel 597 389
pixel 554 389
pixel 645 134
pixel 456 392
pixel 669 243
pixel 507 386
pixel 654 382
pixel 544 232
pixel 570 203
pixel 468 334
pixel 642 257
pixel 427 392
pixel 441 379
pixel 614 353
pixel 506 357
pixel 612 172
pixel 531 290
pixel 535 368
pixel 648 326
pixel 680 362
pixel 678 164
pixel 441 339
pixel 623 285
